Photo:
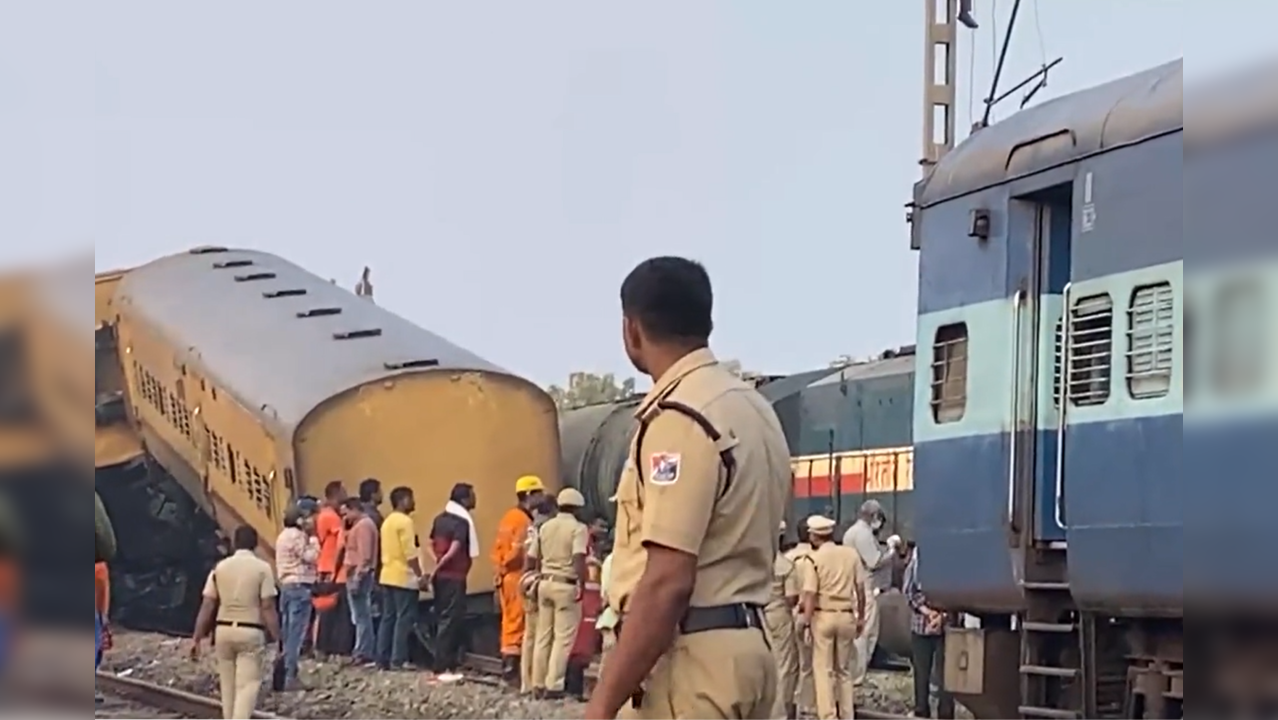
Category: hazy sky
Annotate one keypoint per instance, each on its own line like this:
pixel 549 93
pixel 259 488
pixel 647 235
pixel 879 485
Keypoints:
pixel 502 165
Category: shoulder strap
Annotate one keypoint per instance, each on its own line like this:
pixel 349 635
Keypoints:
pixel 726 456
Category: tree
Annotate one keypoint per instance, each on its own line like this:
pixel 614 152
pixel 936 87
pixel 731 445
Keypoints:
pixel 590 389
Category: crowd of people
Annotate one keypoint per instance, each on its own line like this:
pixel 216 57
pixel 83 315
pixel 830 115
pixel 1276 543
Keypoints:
pixel 705 614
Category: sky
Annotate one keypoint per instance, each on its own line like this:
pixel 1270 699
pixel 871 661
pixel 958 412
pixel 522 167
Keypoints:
pixel 502 165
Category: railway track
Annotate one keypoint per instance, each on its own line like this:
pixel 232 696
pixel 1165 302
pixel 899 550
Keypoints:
pixel 140 700
pixel 491 667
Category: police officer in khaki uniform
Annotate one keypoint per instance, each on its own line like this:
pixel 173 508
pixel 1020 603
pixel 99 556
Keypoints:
pixel 528 587
pixel 559 556
pixel 801 556
pixel 698 506
pixel 786 587
pixel 834 610
pixel 239 612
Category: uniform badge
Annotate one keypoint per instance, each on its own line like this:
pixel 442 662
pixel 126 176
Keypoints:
pixel 663 468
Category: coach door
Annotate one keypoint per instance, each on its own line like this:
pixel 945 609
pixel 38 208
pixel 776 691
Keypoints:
pixel 1040 242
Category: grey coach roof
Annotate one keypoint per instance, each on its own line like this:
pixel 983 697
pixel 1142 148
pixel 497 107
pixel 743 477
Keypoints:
pixel 242 313
pixel 1126 110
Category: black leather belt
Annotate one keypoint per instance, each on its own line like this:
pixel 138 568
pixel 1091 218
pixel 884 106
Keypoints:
pixel 738 616
pixel 242 625
pixel 563 579
pixel 849 611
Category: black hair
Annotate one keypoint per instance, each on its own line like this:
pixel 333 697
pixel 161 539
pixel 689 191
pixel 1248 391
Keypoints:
pixel 462 492
pixel 369 488
pixel 399 495
pixel 333 489
pixel 671 298
pixel 244 538
pixel 353 504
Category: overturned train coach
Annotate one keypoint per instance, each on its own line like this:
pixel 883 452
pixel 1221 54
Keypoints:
pixel 252 382
pixel 1051 436
pixel 848 429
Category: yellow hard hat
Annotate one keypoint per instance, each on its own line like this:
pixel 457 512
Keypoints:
pixel 529 484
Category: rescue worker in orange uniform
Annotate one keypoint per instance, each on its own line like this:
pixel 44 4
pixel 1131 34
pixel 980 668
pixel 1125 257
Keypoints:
pixel 508 555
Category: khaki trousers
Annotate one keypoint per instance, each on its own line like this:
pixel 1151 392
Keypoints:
pixel 833 657
pixel 785 648
pixel 711 675
pixel 806 695
pixel 239 667
pixel 558 617
pixel 530 645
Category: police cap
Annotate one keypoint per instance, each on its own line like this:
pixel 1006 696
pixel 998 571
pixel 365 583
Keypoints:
pixel 818 525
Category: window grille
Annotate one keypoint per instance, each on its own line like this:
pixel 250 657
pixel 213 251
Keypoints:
pixel 949 373
pixel 1058 351
pixel 1091 350
pixel 1151 341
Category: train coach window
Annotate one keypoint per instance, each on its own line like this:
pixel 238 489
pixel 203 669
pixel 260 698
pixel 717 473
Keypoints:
pixel 1151 341
pixel 1091 350
pixel 1238 348
pixel 949 373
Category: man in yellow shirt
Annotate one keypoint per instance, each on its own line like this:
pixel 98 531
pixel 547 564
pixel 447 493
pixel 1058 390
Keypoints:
pixel 401 581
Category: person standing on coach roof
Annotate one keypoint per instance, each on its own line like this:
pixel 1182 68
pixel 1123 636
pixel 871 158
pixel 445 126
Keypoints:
pixel 698 507
pixel 239 612
pixel 558 555
pixel 834 608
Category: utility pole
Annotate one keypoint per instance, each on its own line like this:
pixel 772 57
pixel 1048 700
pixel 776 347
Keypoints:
pixel 940 73
pixel 940 80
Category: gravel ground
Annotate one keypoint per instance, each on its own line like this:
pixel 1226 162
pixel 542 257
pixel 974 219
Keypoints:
pixel 339 691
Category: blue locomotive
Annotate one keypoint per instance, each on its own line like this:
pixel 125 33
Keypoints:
pixel 1049 404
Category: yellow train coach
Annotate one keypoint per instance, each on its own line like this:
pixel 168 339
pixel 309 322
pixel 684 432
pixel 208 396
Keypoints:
pixel 254 382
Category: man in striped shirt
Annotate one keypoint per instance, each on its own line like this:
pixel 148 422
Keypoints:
pixel 297 554
pixel 927 627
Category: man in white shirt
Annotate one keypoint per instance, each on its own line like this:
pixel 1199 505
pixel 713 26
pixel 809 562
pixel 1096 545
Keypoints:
pixel 862 537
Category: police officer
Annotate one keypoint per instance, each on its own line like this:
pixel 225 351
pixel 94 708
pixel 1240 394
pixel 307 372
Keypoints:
pixel 528 586
pixel 239 612
pixel 834 610
pixel 559 555
pixel 801 556
pixel 698 506
pixel 786 586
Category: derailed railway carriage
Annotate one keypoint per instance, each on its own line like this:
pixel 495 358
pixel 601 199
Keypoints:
pixel 254 382
pixel 1049 405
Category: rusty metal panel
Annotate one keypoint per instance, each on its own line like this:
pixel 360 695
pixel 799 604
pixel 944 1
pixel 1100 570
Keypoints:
pixel 964 661
pixel 1061 130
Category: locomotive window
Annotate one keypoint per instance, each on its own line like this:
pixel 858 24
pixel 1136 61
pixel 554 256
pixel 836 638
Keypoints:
pixel 1151 341
pixel 1238 352
pixel 949 373
pixel 1091 350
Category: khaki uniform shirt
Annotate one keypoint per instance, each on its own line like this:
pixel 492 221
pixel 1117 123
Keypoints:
pixel 836 575
pixel 239 584
pixel 786 582
pixel 674 495
pixel 560 539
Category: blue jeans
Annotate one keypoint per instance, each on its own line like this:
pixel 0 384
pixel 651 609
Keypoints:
pixel 295 621
pixel 399 616
pixel 359 595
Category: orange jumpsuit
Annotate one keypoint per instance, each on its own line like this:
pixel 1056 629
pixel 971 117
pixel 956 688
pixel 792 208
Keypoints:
pixel 508 564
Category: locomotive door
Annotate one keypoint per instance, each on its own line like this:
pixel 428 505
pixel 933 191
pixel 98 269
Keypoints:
pixel 1039 266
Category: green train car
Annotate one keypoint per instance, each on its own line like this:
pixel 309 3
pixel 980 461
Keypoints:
pixel 851 440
